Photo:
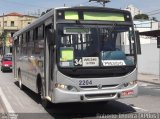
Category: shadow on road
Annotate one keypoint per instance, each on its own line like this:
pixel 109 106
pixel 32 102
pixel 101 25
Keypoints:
pixel 6 71
pixel 30 93
pixel 82 110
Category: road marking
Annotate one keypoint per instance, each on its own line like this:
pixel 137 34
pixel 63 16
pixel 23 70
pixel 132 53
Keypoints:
pixel 153 87
pixel 2 107
pixel 138 108
pixel 6 103
pixel 149 86
pixel 17 99
pixel 143 84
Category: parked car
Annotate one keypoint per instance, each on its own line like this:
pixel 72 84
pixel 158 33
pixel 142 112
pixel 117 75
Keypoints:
pixel 8 55
pixel 6 64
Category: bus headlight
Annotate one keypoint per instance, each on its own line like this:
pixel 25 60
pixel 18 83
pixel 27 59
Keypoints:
pixel 65 87
pixel 61 86
pixel 132 83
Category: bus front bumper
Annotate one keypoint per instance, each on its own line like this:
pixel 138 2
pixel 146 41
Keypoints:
pixel 63 96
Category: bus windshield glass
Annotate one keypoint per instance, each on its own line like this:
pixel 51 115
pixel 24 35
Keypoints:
pixel 95 45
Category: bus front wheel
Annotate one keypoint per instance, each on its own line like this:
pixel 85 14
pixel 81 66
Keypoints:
pixel 45 103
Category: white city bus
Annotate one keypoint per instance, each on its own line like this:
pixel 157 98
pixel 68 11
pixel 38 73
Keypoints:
pixel 78 54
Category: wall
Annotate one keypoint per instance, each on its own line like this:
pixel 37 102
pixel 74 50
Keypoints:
pixel 149 60
pixel 146 25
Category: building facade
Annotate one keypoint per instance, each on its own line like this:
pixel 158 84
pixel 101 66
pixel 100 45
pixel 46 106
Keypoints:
pixel 9 24
pixel 149 59
pixel 146 25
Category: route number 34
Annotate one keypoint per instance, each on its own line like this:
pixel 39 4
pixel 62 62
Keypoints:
pixel 78 62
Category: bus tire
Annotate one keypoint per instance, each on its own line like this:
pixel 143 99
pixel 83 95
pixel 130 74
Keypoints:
pixel 45 103
pixel 20 80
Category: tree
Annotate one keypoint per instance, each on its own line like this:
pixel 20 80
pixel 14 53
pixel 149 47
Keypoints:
pixel 141 16
pixel 154 19
pixel 2 38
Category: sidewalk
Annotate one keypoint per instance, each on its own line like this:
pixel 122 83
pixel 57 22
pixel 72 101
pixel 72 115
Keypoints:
pixel 149 78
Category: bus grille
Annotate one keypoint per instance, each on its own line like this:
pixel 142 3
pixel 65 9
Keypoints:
pixel 90 96
pixel 99 87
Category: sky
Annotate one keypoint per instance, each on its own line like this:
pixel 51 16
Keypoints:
pixel 35 6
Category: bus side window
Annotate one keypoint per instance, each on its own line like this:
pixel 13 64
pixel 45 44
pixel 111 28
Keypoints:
pixel 24 44
pixel 16 44
pixel 31 35
pixel 20 43
pixel 49 32
pixel 35 37
pixel 28 36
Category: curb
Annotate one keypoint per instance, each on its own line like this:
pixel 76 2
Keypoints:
pixel 149 82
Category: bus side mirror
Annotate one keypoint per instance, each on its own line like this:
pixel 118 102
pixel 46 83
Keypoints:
pixel 138 46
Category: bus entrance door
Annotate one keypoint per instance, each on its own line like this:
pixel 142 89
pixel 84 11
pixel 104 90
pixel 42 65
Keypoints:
pixel 49 61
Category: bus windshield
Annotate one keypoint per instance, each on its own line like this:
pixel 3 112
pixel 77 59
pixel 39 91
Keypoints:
pixel 95 45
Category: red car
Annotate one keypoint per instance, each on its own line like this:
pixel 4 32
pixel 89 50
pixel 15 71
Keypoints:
pixel 6 64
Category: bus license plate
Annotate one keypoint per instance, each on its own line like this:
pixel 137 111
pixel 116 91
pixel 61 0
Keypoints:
pixel 85 82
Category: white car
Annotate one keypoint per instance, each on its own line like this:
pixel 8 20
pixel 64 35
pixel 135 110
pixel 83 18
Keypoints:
pixel 8 55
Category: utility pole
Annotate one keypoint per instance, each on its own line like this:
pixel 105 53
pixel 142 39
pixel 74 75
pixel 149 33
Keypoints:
pixel 103 2
pixel 158 46
pixel 3 34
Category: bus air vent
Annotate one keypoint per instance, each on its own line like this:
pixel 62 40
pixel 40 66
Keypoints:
pixel 109 95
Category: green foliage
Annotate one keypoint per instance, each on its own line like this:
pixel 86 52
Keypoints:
pixel 154 19
pixel 0 36
pixel 141 16
pixel 3 36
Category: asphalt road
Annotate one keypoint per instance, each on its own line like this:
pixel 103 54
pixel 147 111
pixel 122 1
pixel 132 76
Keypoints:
pixel 26 104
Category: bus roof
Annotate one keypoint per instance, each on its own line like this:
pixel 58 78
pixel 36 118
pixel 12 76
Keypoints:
pixel 51 13
pixel 93 8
